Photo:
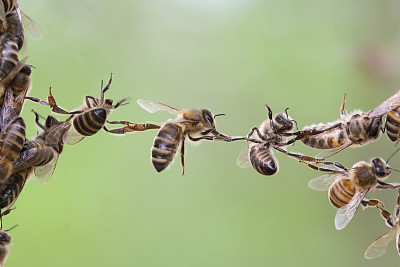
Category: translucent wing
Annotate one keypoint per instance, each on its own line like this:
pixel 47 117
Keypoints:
pixel 388 105
pixel 346 213
pixel 323 182
pixel 243 160
pixel 330 152
pixel 72 137
pixel 44 173
pixel 379 246
pixel 152 106
pixel 31 27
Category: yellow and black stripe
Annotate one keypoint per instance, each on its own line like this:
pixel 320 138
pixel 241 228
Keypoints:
pixel 165 145
pixel 262 159
pixel 341 192
pixel 12 187
pixel 90 122
pixel 393 124
pixel 327 140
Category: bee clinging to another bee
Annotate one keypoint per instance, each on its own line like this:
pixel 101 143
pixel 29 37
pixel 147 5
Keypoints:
pixel 194 124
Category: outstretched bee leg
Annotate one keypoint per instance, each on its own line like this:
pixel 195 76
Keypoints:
pixel 183 155
pixel 255 129
pixel 342 111
pixel 131 127
pixel 387 217
pixel 383 185
pixel 6 212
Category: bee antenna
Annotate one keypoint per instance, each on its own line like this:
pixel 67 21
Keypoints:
pixel 11 228
pixel 221 114
pixel 287 113
pixel 295 122
pixel 397 150
pixel 394 170
pixel 31 66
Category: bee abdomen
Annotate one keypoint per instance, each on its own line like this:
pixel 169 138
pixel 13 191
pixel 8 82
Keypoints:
pixel 14 26
pixel 165 145
pixel 8 5
pixel 341 193
pixel 262 159
pixel 11 189
pixel 393 124
pixel 328 140
pixel 90 122
pixel 8 55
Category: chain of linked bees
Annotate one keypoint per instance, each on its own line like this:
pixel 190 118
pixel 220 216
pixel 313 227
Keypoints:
pixel 21 158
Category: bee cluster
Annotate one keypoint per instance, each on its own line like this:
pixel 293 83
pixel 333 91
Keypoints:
pixel 20 157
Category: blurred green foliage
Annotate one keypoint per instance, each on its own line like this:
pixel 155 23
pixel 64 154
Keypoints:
pixel 107 206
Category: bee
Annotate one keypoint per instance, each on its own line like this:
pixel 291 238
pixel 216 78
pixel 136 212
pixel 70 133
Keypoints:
pixel 348 187
pixel 379 246
pixel 195 124
pixel 92 116
pixel 43 151
pixel 357 129
pixel 13 21
pixel 11 141
pixel 5 241
pixel 12 187
pixel 390 107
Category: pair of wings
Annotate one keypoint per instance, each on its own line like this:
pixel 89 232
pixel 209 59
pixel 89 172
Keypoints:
pixel 345 213
pixel 153 106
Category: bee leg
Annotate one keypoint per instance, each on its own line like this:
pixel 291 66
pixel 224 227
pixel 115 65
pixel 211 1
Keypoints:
pixel 383 185
pixel 387 217
pixel 342 111
pixel 257 131
pixel 183 155
pixel 306 159
pixel 270 118
pixel 134 127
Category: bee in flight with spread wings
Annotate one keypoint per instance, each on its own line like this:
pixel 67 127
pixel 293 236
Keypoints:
pixel 379 246
pixel 348 187
pixel 194 124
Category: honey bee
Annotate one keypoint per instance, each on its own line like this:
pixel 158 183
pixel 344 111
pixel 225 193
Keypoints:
pixel 379 246
pixel 12 187
pixel 13 21
pixel 92 116
pixel 195 124
pixel 12 139
pixel 5 241
pixel 43 151
pixel 348 187
pixel 390 107
pixel 357 129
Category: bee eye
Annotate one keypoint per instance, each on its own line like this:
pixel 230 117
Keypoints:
pixel 209 118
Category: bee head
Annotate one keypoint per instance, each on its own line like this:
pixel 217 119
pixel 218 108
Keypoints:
pixel 381 168
pixel 22 80
pixel 282 122
pixel 208 119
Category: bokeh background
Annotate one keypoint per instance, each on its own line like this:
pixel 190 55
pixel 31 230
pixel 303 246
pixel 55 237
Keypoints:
pixel 105 204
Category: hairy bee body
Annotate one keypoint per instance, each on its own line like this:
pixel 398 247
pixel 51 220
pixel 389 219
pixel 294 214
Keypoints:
pixel 8 54
pixel 327 140
pixel 11 142
pixel 5 240
pixel 341 193
pixel 262 159
pixel 12 187
pixel 166 144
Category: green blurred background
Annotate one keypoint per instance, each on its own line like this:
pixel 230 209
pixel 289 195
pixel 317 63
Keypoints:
pixel 105 204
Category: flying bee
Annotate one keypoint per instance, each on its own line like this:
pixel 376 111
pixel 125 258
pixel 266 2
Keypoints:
pixel 379 246
pixel 43 151
pixel 195 124
pixel 92 116
pixel 348 187
pixel 357 129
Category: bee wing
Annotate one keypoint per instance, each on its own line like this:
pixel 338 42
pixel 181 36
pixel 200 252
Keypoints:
pixel 243 160
pixel 152 106
pixel 323 182
pixel 346 213
pixel 330 152
pixel 379 246
pixel 72 137
pixel 44 173
pixel 31 27
pixel 388 105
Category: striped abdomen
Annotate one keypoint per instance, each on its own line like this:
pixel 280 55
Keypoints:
pixel 11 141
pixel 34 154
pixel 327 140
pixel 341 192
pixel 90 122
pixel 393 124
pixel 12 187
pixel 8 5
pixel 262 159
pixel 8 55
pixel 14 27
pixel 165 145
